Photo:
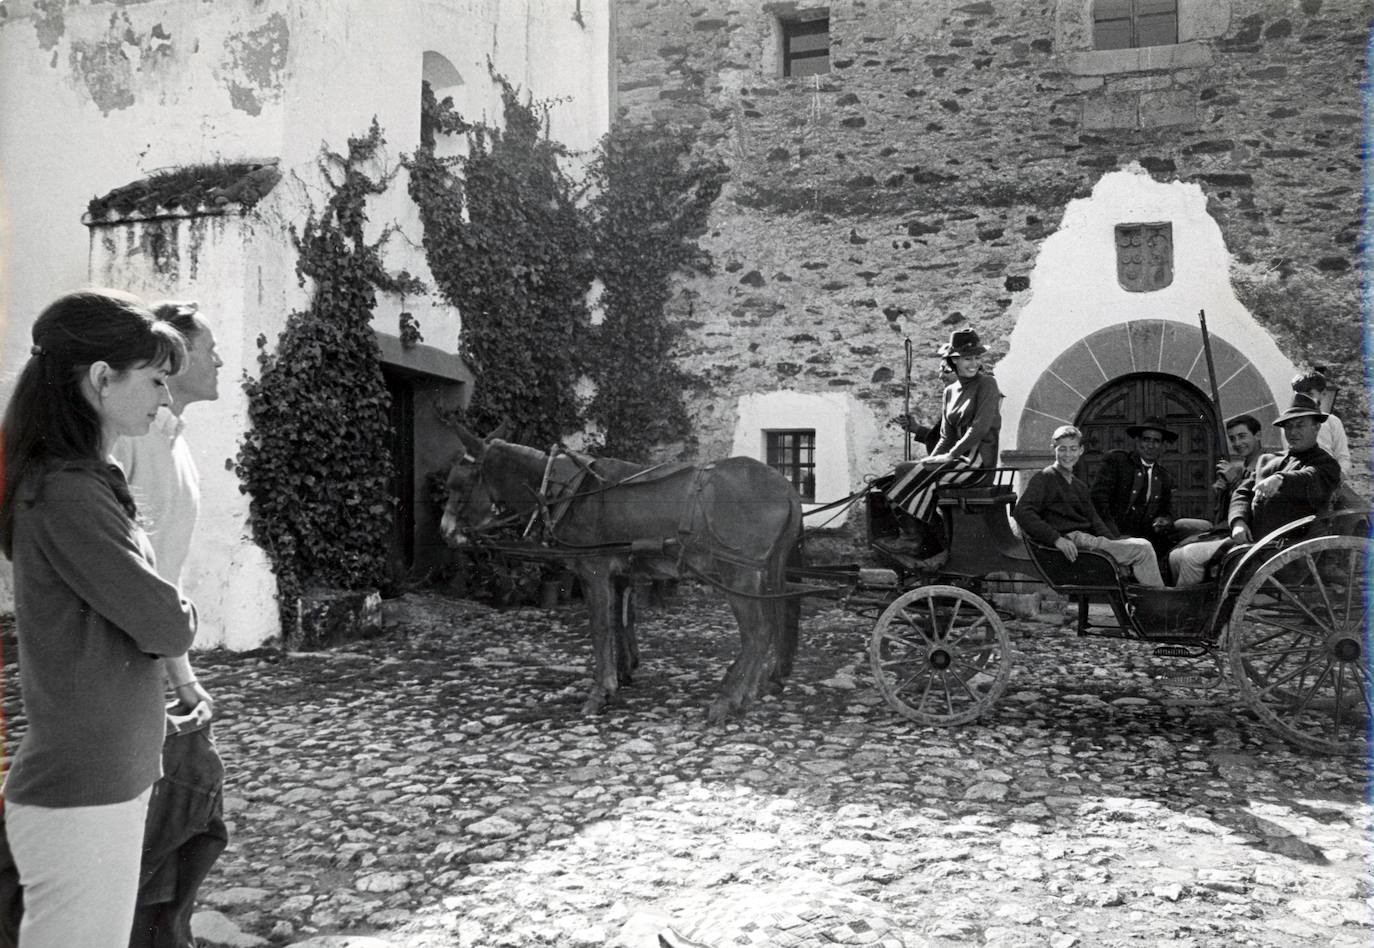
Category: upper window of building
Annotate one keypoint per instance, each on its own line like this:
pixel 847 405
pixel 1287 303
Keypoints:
pixel 793 455
pixel 1131 24
pixel 806 44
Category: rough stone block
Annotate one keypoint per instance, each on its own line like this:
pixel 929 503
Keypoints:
pixel 1104 356
pixel 1246 391
pixel 1171 107
pixel 1055 399
pixel 1146 340
pixel 1107 110
pixel 1111 62
pixel 1200 21
pixel 1180 347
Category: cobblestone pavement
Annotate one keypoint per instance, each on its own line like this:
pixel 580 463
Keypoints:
pixel 436 785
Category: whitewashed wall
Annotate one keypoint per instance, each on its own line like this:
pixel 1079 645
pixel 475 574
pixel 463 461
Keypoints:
pixel 96 95
pixel 1074 288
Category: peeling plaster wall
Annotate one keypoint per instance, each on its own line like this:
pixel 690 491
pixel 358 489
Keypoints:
pixel 205 258
pixel 95 94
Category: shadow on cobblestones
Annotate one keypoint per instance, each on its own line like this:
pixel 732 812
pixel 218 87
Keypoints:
pixel 437 786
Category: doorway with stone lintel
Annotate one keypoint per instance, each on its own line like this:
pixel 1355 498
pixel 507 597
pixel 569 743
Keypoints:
pixel 1190 461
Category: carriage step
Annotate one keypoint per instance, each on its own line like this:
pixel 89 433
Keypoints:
pixel 1182 651
pixel 1189 681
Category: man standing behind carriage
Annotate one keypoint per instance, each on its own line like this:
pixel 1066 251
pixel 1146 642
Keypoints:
pixel 970 422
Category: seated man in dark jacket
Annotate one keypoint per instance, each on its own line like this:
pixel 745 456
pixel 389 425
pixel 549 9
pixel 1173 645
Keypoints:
pixel 1056 510
pixel 1134 492
pixel 1289 486
pixel 1281 488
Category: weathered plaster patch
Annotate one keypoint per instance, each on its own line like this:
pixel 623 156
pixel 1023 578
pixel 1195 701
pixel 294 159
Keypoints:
pixel 49 22
pixel 107 67
pixel 159 245
pixel 106 71
pixel 244 100
pixel 254 62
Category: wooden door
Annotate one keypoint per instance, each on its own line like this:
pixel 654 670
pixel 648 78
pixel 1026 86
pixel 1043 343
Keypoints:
pixel 1191 460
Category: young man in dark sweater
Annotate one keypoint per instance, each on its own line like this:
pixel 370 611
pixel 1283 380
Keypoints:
pixel 1056 510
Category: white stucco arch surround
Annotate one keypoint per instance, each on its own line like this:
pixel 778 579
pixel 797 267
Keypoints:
pixel 1061 349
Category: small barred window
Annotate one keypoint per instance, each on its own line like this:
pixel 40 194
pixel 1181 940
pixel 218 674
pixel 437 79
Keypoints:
pixel 792 453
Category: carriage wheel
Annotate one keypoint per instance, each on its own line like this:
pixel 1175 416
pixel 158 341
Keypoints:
pixel 940 655
pixel 1299 643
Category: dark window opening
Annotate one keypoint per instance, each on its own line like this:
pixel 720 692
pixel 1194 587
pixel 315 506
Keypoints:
pixel 792 454
pixel 1131 24
pixel 806 46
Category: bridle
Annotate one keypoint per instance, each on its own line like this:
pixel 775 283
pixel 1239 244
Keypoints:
pixel 466 500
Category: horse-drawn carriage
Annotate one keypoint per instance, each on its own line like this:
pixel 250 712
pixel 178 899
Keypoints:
pixel 1288 617
pixel 1289 613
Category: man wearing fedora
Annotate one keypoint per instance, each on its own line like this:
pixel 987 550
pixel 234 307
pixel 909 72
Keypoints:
pixel 1134 493
pixel 1281 488
pixel 970 423
pixel 1289 486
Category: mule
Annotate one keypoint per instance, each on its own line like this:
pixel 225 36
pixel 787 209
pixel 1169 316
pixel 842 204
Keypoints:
pixel 733 522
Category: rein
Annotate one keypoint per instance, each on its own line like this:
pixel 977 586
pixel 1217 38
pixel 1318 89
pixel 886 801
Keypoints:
pixel 550 507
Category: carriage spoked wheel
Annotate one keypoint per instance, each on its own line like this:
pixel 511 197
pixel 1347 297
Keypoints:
pixel 940 655
pixel 1299 644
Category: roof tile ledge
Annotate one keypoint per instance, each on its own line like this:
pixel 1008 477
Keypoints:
pixel 186 192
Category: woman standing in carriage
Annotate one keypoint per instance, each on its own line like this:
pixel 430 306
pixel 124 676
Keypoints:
pixel 970 421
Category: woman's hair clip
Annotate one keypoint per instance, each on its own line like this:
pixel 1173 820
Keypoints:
pixel 36 350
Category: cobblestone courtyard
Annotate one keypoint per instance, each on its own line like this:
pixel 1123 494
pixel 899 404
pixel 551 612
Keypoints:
pixel 436 785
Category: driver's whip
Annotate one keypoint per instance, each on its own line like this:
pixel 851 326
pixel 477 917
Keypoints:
pixel 1216 396
pixel 906 404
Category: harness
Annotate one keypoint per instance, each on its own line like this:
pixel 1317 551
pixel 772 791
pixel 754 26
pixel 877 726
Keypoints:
pixel 554 498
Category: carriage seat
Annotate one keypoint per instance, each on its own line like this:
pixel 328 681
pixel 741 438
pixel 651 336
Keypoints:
pixel 1091 573
pixel 975 496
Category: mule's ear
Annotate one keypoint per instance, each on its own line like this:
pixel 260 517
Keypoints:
pixel 502 431
pixel 471 442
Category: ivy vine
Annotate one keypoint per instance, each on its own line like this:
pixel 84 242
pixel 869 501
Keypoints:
pixel 508 247
pixel 652 199
pixel 315 460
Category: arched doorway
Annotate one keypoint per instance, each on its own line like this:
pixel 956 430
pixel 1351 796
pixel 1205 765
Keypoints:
pixel 1191 461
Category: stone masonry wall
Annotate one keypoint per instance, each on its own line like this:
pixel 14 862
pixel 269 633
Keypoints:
pixel 907 192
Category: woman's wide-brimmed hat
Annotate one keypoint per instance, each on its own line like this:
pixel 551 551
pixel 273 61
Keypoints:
pixel 962 342
pixel 1152 423
pixel 1303 405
